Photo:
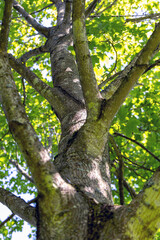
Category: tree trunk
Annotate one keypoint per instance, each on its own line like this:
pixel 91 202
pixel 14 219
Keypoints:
pixel 74 191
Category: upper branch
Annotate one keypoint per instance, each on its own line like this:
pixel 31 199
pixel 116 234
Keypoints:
pixel 40 28
pixel 91 8
pixel 18 206
pixel 60 6
pixel 5 25
pixel 87 77
pixel 137 67
pixel 108 7
pixel 68 11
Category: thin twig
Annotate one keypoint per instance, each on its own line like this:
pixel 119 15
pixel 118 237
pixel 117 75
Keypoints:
pixel 6 220
pixel 146 17
pixel 24 92
pixel 19 168
pixel 125 184
pixel 139 166
pixel 156 63
pixel 139 144
pixel 91 8
pixel 109 79
pixel 120 169
pixel 40 10
pixel 108 7
pixel 5 134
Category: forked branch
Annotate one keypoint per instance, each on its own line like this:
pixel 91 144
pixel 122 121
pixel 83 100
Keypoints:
pixel 127 82
pixel 37 26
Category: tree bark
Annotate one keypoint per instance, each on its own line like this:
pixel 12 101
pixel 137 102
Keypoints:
pixel 74 191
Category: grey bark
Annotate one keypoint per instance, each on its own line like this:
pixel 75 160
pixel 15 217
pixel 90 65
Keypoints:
pixel 74 192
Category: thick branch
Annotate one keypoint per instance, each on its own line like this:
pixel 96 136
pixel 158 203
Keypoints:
pixel 40 28
pixel 68 11
pixel 141 63
pixel 5 25
pixel 60 6
pixel 87 77
pixel 53 95
pixel 140 219
pixel 36 155
pixel 18 206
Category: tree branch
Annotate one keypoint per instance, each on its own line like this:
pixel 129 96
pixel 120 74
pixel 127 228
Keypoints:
pixel 120 169
pixel 18 206
pixel 102 84
pixel 108 7
pixel 40 10
pixel 20 169
pixel 87 77
pixel 60 6
pixel 144 210
pixel 48 181
pixel 33 52
pixel 138 166
pixel 125 184
pixel 36 155
pixel 109 91
pixel 139 144
pixel 6 220
pixel 68 11
pixel 156 63
pixel 154 16
pixel 40 28
pixel 137 68
pixel 52 95
pixel 129 189
pixel 91 8
pixel 5 26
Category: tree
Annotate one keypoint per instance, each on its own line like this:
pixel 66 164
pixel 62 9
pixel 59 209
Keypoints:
pixel 98 51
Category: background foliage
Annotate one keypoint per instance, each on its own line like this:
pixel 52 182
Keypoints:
pixel 114 39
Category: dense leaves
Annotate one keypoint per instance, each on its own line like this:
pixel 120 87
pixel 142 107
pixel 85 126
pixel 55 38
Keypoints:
pixel 115 35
